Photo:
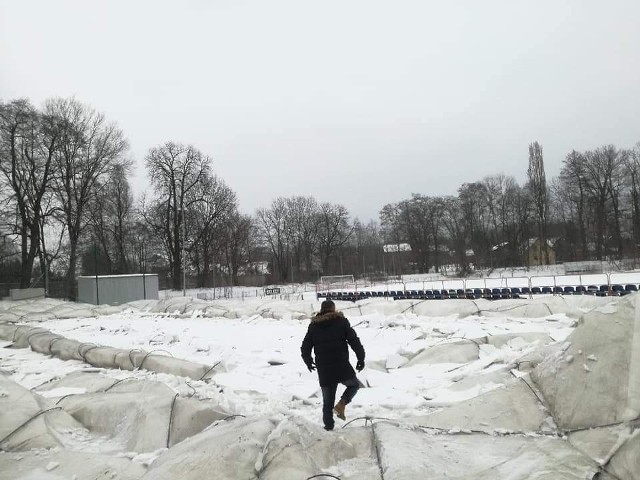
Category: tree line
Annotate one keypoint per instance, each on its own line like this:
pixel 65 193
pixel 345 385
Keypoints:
pixel 591 211
pixel 67 208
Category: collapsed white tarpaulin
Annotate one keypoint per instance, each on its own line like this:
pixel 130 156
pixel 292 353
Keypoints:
pixel 43 341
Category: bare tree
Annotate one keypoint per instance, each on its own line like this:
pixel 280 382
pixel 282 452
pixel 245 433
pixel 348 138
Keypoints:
pixel 112 217
pixel 28 143
pixel 632 170
pixel 272 225
pixel 600 167
pixel 237 243
pixel 90 147
pixel 573 188
pixel 475 222
pixel 208 217
pixel 454 221
pixel 538 187
pixel 334 231
pixel 182 178
pixel 302 215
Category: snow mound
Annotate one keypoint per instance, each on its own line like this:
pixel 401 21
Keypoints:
pixel 67 465
pixel 594 378
pixel 453 352
pixel 225 451
pixel 412 454
pixel 142 409
pixel 512 408
pixel 43 341
pixel 24 424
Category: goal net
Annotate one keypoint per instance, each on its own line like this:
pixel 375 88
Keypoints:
pixel 336 281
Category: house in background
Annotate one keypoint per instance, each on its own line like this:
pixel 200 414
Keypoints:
pixel 538 253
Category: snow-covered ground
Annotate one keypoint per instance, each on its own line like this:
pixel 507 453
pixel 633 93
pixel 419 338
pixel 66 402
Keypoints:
pixel 424 360
pixel 262 355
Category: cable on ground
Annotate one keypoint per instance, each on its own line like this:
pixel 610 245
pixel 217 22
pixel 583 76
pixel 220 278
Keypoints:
pixel 82 353
pixel 41 412
pixel 133 364
pixel 152 351
pixel 375 444
pixel 173 406
pixel 233 416
pixel 207 372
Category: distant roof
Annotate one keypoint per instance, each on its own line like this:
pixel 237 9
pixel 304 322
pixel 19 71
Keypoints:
pixel 550 241
pixel 118 276
pixel 500 245
pixel 396 247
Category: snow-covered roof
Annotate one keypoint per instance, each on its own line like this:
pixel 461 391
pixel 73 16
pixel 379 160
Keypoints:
pixel 500 245
pixel 550 241
pixel 120 276
pixel 396 247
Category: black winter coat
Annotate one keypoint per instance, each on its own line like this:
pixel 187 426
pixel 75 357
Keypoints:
pixel 328 335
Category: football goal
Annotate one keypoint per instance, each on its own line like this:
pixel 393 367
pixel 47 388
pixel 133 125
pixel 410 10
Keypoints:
pixel 336 281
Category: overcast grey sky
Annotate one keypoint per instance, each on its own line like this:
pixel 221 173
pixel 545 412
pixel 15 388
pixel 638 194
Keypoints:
pixel 355 102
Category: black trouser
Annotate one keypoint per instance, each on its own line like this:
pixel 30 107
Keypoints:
pixel 329 398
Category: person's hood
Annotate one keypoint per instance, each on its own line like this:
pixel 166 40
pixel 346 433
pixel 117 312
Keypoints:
pixel 326 317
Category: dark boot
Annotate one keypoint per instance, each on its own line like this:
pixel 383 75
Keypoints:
pixel 339 409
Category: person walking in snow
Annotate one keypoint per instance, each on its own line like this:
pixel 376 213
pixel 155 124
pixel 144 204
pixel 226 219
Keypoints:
pixel 328 335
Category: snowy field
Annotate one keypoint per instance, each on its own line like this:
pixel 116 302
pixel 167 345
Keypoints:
pixel 452 389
